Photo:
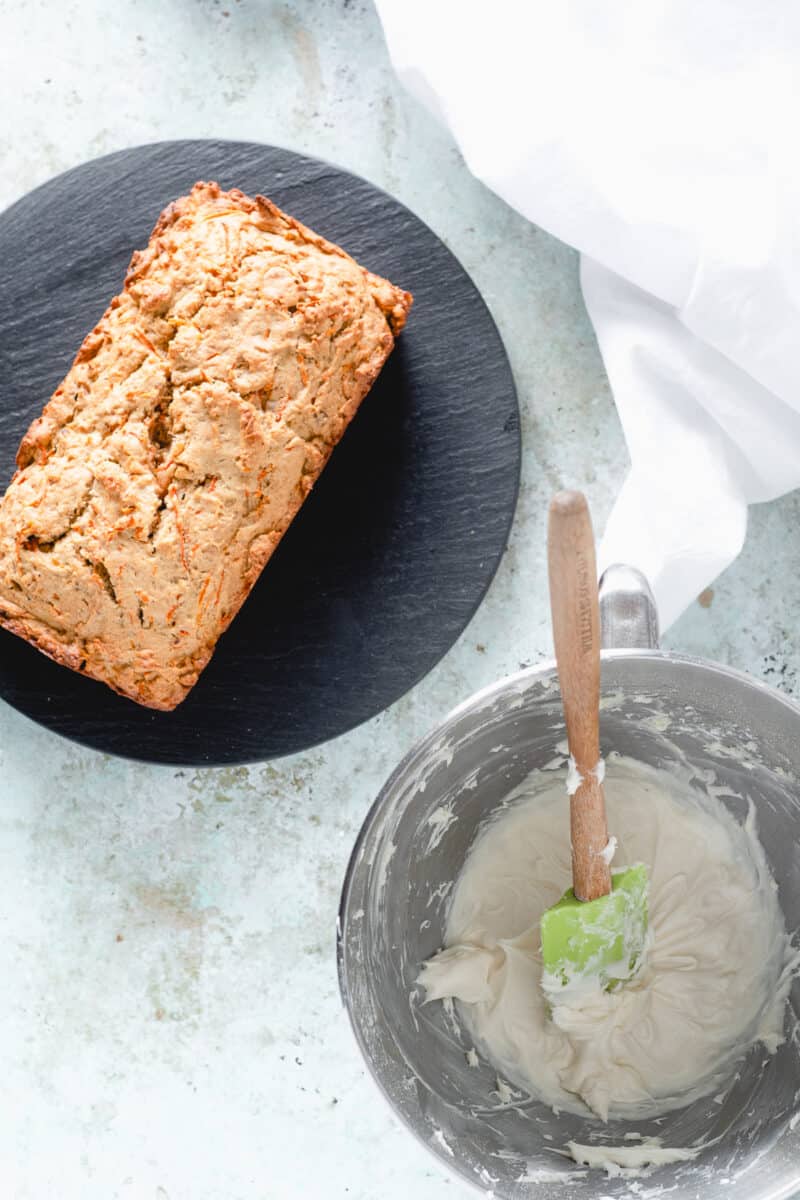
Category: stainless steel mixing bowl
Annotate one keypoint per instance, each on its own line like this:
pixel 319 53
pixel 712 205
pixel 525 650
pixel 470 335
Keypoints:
pixel 657 707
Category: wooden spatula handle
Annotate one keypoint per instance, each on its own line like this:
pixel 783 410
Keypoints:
pixel 576 633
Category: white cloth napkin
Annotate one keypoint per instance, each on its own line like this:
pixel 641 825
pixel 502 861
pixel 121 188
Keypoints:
pixel 662 139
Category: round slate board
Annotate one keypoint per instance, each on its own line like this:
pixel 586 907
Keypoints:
pixel 395 547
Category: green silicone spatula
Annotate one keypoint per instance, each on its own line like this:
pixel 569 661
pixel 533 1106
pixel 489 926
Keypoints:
pixel 595 935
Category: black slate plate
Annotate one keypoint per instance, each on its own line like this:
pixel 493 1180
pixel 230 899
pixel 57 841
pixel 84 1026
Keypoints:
pixel 397 544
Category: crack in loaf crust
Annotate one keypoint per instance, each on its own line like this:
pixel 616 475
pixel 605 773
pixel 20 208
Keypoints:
pixel 193 423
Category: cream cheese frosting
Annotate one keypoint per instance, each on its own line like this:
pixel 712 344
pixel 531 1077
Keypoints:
pixel 630 1160
pixel 717 972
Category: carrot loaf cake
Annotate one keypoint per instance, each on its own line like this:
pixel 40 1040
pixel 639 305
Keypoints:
pixel 194 421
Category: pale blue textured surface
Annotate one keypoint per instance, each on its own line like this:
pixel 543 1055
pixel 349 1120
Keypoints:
pixel 170 1026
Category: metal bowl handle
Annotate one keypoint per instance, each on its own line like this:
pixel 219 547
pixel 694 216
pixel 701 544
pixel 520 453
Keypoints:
pixel 628 613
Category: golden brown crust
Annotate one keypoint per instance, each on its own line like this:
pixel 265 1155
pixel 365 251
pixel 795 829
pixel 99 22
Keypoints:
pixel 196 417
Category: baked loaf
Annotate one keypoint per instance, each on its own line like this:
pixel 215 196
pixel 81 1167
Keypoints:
pixel 193 423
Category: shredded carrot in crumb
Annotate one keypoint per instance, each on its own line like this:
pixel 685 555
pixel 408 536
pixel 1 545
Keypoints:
pixel 223 212
pixel 203 591
pixel 179 528
pixel 171 612
pixel 145 340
